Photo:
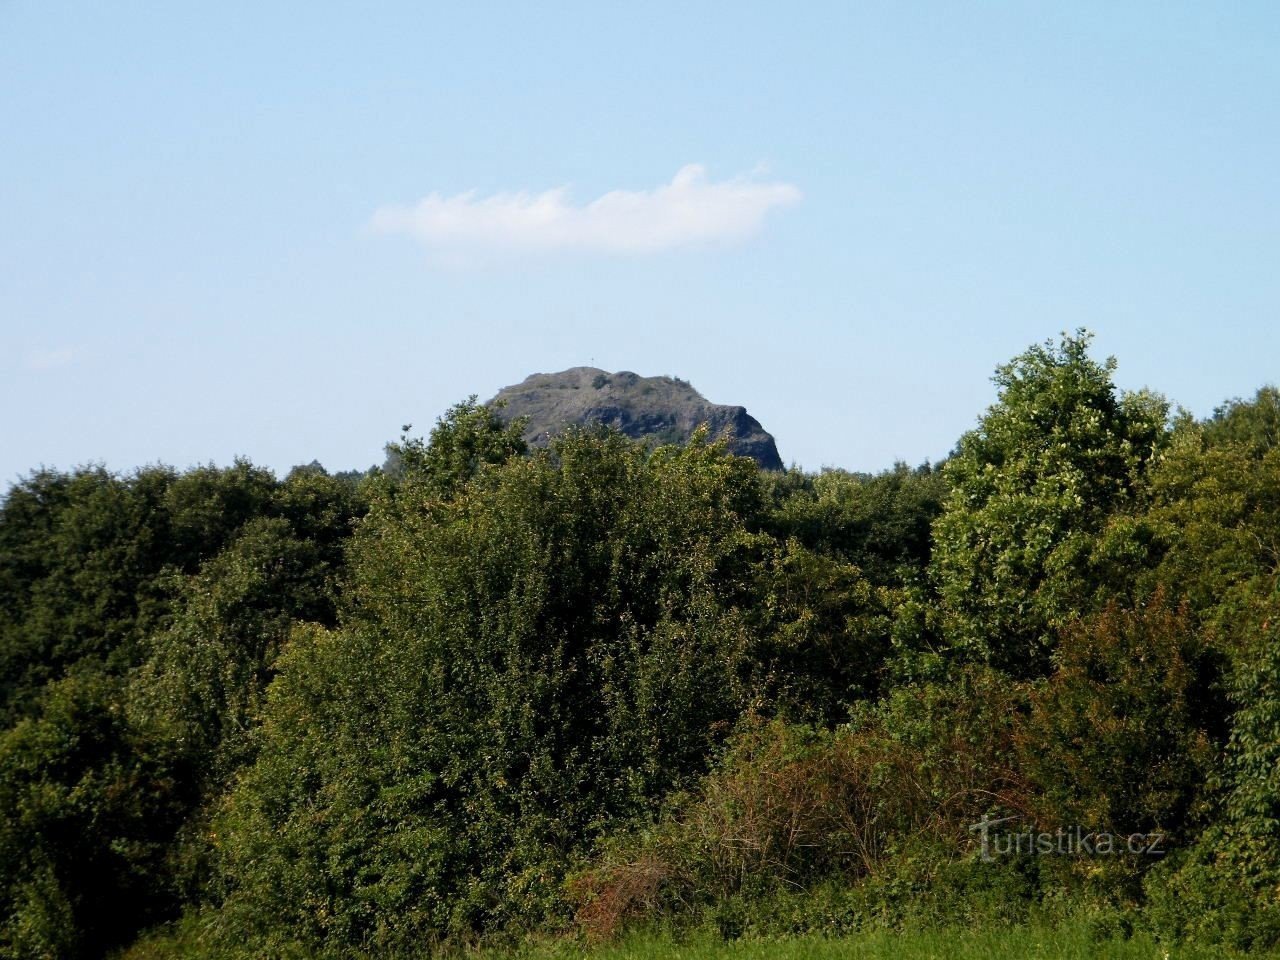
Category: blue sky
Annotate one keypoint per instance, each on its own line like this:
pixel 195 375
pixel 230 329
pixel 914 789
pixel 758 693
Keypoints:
pixel 213 239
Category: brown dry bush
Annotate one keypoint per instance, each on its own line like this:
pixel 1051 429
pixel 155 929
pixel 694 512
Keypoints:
pixel 789 806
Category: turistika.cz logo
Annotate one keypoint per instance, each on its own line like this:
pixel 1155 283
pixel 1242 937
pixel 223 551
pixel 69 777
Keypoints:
pixel 997 840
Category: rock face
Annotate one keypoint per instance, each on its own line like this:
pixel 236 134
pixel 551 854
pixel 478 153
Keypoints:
pixel 666 409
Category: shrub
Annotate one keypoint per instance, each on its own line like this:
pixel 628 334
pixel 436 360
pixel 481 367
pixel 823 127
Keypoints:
pixel 525 660
pixel 1115 738
pixel 791 808
pixel 1031 487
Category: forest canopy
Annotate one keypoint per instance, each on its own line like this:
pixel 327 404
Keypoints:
pixel 492 692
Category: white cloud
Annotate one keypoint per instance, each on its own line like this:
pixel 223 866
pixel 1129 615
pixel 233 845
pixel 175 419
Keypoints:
pixel 688 211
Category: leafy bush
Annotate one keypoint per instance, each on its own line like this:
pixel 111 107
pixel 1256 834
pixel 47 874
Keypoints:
pixel 881 524
pixel 546 651
pixel 1226 888
pixel 1030 488
pixel 791 808
pixel 133 647
pixel 1114 738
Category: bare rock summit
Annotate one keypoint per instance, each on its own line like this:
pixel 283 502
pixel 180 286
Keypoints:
pixel 662 409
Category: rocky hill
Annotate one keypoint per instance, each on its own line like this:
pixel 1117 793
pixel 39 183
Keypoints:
pixel 665 409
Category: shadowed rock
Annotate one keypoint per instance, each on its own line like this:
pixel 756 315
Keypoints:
pixel 661 409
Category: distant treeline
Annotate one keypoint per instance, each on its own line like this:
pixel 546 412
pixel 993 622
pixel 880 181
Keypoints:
pixel 494 692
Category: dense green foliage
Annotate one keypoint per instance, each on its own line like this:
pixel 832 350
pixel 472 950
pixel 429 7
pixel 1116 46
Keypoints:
pixel 519 665
pixel 1056 456
pixel 141 619
pixel 494 692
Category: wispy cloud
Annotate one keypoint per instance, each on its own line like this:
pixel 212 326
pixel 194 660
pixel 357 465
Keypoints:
pixel 48 359
pixel 690 210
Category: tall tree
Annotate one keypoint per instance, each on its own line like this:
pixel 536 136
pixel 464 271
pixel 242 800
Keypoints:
pixel 1058 452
